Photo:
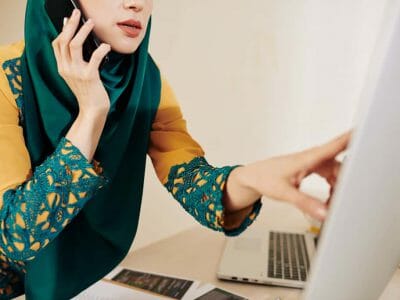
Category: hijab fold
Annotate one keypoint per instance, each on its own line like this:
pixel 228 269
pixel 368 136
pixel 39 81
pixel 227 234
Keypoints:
pixel 100 236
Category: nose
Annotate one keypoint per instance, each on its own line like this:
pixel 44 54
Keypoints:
pixel 136 5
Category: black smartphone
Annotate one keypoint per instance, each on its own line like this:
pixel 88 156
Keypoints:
pixel 58 10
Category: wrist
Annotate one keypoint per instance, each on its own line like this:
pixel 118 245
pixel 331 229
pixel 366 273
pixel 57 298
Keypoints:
pixel 246 178
pixel 239 192
pixel 97 113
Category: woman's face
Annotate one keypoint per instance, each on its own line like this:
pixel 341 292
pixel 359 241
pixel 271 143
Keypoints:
pixel 120 23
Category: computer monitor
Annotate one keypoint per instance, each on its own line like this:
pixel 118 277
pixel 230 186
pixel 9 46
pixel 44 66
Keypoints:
pixel 359 247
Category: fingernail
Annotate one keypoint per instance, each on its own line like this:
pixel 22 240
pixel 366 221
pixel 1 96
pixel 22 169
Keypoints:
pixel 65 21
pixel 75 13
pixel 89 21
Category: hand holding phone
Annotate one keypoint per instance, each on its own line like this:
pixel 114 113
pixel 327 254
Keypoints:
pixel 82 77
pixel 57 10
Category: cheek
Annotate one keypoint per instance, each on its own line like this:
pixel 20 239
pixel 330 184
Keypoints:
pixel 150 8
pixel 103 32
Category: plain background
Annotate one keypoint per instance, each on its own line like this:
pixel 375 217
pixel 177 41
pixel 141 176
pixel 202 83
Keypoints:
pixel 255 78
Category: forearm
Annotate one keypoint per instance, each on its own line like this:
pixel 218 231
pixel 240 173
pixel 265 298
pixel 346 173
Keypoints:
pixel 36 211
pixel 85 132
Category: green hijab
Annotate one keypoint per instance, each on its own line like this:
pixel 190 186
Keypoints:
pixel 100 236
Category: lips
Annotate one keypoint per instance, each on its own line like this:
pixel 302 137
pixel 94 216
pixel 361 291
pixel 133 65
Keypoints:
pixel 131 23
pixel 131 28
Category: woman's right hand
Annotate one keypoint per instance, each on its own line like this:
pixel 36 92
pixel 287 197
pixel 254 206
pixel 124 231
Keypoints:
pixel 82 77
pixel 280 178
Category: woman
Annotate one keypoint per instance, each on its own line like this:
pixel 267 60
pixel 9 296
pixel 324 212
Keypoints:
pixel 73 145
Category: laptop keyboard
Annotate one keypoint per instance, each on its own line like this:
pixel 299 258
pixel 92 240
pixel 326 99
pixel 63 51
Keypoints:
pixel 287 256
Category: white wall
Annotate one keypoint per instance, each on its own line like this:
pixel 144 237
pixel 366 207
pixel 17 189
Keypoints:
pixel 255 78
pixel 11 20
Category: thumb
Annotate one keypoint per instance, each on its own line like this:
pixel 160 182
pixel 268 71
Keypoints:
pixel 306 203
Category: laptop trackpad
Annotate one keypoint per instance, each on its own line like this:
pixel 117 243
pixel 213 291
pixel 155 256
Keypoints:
pixel 248 244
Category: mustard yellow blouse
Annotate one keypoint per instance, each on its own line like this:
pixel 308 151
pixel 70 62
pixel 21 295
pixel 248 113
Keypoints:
pixel 36 203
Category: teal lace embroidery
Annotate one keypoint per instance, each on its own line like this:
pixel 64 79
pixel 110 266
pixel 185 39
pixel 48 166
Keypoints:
pixel 198 187
pixel 11 281
pixel 36 211
pixel 12 69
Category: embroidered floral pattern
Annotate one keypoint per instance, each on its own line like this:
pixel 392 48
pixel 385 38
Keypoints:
pixel 199 187
pixel 12 69
pixel 35 212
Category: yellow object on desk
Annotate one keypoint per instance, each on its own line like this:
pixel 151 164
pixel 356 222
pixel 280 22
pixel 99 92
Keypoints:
pixel 314 229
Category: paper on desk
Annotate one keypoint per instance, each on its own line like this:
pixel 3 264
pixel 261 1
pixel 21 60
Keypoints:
pixel 220 294
pixel 123 284
pixel 104 290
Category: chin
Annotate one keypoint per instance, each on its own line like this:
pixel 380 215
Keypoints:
pixel 125 49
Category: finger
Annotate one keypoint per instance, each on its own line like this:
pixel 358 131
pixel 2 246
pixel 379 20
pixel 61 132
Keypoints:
pixel 335 173
pixel 329 170
pixel 57 54
pixel 77 42
pixel 331 192
pixel 56 50
pixel 56 46
pixel 306 203
pixel 98 56
pixel 330 150
pixel 67 34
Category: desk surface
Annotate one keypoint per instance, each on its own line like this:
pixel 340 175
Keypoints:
pixel 195 254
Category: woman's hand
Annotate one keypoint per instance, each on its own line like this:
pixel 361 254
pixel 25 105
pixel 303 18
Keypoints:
pixel 82 77
pixel 280 178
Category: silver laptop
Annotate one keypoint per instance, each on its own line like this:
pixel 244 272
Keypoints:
pixel 359 246
pixel 267 256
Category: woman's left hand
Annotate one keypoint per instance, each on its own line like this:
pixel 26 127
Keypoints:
pixel 280 178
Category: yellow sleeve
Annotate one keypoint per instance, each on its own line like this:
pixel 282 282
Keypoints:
pixel 35 205
pixel 170 142
pixel 181 167
pixel 12 144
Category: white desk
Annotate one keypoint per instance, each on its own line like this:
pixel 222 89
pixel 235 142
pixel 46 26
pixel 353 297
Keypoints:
pixel 195 254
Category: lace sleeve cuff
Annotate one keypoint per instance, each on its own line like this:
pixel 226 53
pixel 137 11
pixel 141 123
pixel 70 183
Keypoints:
pixel 199 187
pixel 247 221
pixel 37 210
